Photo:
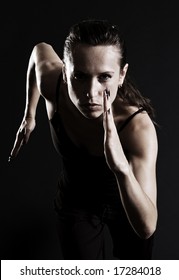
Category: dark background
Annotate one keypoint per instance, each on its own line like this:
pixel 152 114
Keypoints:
pixel 28 185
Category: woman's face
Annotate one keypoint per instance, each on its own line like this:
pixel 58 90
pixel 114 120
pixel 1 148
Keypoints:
pixel 91 70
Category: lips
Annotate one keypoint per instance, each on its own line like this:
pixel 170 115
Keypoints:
pixel 91 106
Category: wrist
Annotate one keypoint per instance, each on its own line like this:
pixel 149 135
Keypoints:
pixel 29 114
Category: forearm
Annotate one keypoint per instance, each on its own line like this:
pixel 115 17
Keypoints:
pixel 139 208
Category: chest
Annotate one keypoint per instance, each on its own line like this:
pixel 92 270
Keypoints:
pixel 83 134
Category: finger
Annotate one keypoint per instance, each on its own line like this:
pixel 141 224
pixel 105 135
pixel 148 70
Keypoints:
pixel 108 117
pixel 105 96
pixel 104 109
pixel 19 141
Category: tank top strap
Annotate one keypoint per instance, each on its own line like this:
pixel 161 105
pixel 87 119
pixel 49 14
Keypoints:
pixel 130 118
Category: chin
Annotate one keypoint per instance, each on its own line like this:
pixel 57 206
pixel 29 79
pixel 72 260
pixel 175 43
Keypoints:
pixel 92 115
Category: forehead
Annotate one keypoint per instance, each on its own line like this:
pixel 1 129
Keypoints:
pixel 92 56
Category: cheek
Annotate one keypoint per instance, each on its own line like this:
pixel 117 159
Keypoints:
pixel 113 92
pixel 76 89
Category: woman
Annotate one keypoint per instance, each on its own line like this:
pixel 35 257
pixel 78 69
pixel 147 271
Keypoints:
pixel 103 129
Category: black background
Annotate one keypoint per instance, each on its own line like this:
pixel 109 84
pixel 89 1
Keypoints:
pixel 28 185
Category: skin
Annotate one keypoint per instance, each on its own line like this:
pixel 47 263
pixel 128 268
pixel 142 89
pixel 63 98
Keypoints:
pixel 92 117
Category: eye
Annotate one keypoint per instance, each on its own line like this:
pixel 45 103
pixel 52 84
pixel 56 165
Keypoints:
pixel 104 77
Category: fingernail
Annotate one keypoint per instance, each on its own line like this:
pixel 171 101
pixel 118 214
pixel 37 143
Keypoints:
pixel 10 158
pixel 107 92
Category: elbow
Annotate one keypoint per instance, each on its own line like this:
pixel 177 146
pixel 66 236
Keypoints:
pixel 147 231
pixel 40 47
pixel 149 227
pixel 41 44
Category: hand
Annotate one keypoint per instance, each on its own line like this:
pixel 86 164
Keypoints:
pixel 113 150
pixel 22 136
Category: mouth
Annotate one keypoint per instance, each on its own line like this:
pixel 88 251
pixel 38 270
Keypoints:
pixel 91 106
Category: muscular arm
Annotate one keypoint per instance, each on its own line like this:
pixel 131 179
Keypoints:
pixel 137 184
pixel 32 91
pixel 135 175
pixel 43 70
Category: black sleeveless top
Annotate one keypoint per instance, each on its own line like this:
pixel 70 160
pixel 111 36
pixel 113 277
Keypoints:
pixel 86 183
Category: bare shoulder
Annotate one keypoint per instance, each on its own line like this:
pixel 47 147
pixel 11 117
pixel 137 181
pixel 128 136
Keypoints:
pixel 140 135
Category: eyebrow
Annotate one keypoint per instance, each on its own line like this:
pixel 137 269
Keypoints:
pixel 101 73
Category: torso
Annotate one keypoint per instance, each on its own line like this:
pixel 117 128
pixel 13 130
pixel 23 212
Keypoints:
pixel 80 142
